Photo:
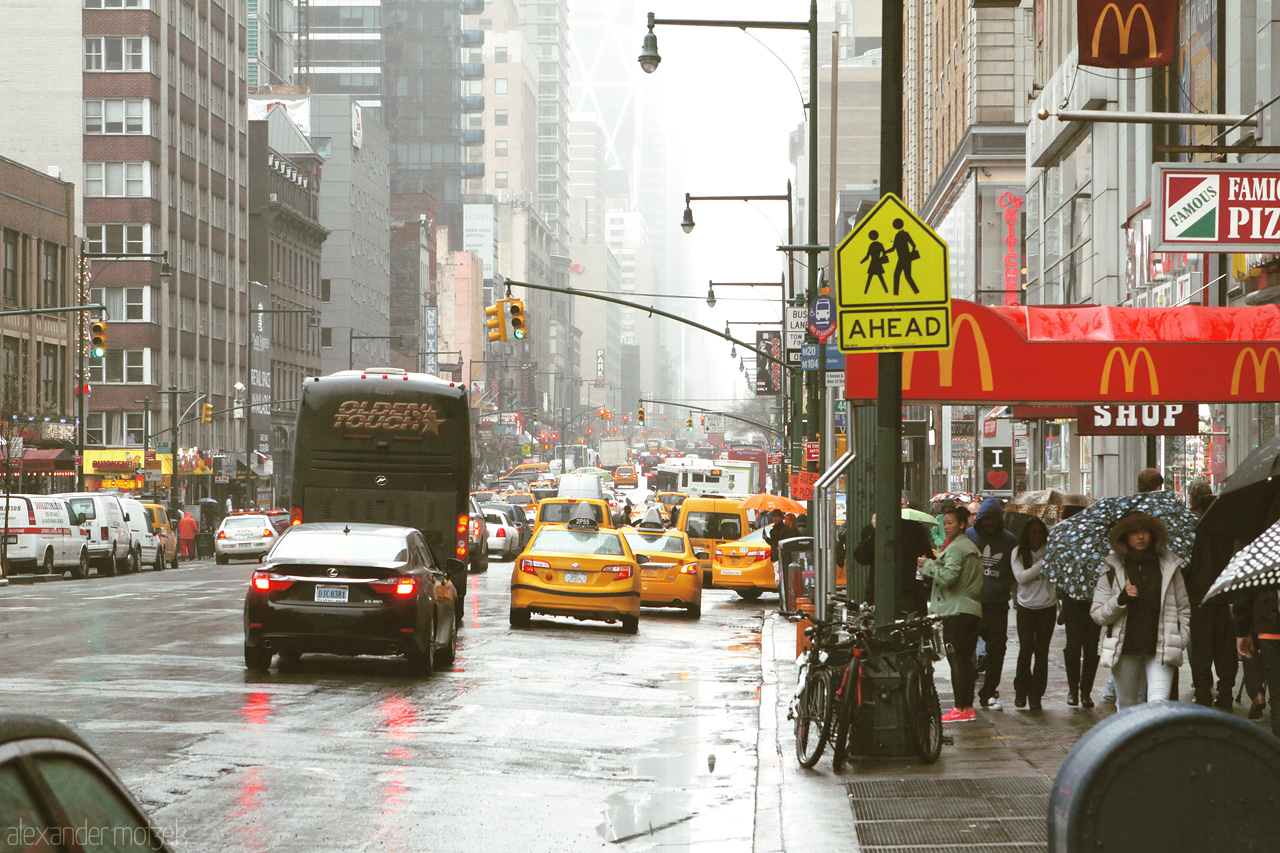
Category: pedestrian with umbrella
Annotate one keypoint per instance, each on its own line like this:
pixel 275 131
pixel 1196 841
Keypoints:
pixel 1141 601
pixel 1080 654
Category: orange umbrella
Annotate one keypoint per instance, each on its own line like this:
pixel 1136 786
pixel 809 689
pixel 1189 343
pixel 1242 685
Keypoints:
pixel 768 503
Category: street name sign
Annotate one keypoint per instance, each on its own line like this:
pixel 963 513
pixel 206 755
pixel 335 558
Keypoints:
pixel 893 292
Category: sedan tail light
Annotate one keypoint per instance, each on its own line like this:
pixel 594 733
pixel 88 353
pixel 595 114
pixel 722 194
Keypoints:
pixel 502 533
pixel 268 581
pixel 624 572
pixel 758 555
pixel 222 534
pixel 295 515
pixel 530 567
pixel 268 533
pixel 690 569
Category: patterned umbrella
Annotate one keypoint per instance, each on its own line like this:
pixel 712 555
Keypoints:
pixel 1254 567
pixel 1046 503
pixel 1078 545
pixel 958 498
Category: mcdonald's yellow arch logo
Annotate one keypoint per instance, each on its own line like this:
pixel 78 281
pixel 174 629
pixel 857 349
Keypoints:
pixel 1130 366
pixel 946 357
pixel 1124 26
pixel 1259 368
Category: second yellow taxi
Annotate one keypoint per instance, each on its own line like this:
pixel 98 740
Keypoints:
pixel 672 577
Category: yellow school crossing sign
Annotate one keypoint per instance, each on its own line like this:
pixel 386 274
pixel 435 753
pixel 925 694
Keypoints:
pixel 892 288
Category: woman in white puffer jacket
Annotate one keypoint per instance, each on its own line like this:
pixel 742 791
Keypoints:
pixel 1141 602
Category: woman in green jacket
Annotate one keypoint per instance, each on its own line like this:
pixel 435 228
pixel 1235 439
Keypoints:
pixel 957 595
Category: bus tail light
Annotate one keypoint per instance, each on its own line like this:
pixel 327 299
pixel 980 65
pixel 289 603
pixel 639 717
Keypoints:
pixel 295 515
pixel 530 567
pixel 624 572
pixel 461 546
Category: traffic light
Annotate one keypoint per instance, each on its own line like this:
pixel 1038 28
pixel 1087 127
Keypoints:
pixel 496 321
pixel 703 421
pixel 534 419
pixel 640 417
pixel 688 424
pixel 206 413
pixel 97 339
pixel 517 319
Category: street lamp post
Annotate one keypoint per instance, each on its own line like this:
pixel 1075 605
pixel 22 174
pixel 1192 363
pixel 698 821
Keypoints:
pixel 649 59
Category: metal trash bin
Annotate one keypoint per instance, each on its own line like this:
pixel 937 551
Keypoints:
pixel 204 545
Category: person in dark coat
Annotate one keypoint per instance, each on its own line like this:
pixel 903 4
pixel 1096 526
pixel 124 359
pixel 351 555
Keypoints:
pixel 1257 622
pixel 1213 641
pixel 996 545
pixel 777 531
pixel 913 543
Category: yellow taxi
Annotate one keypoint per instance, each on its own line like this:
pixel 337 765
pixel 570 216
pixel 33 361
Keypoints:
pixel 744 566
pixel 666 501
pixel 625 475
pixel 529 469
pixel 561 510
pixel 524 500
pixel 578 569
pixel 711 522
pixel 672 577
pixel 484 497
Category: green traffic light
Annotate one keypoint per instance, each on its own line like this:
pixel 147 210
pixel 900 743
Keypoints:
pixel 518 334
pixel 98 352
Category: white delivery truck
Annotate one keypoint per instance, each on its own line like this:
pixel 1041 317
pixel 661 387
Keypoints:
pixel 613 452
pixel 44 535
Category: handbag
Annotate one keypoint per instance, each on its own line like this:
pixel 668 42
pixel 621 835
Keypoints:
pixel 913 255
pixel 1107 654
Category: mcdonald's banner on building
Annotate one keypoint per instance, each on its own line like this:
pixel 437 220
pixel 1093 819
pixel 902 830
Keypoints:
pixel 1026 355
pixel 1127 33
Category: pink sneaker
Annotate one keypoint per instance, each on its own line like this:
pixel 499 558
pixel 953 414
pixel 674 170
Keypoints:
pixel 955 715
pixel 968 715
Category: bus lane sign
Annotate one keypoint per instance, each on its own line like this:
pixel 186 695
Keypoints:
pixel 893 292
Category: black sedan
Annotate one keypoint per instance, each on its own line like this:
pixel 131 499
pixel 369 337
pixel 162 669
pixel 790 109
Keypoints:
pixel 351 589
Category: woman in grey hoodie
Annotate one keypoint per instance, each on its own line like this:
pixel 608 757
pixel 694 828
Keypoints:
pixel 1037 612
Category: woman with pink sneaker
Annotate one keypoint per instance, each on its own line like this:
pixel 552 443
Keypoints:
pixel 957 595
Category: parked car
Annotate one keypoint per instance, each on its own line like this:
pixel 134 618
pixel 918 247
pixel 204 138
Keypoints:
pixel 110 540
pixel 246 535
pixel 503 537
pixel 51 773
pixel 279 519
pixel 146 549
pixel 351 589
pixel 44 535
pixel 477 540
pixel 166 529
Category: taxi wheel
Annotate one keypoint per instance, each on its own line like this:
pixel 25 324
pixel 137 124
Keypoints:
pixel 630 624
pixel 519 618
pixel 750 594
pixel 257 658
pixel 80 570
pixel 695 610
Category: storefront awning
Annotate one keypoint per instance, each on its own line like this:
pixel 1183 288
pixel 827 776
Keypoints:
pixel 36 460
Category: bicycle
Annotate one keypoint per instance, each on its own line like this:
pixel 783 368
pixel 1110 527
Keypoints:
pixel 810 707
pixel 848 700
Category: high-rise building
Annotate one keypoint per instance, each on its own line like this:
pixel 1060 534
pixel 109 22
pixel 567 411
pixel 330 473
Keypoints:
pixel 546 27
pixel 271 29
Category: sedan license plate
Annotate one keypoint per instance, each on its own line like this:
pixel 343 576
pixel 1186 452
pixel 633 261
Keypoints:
pixel 731 571
pixel 652 573
pixel 575 577
pixel 336 594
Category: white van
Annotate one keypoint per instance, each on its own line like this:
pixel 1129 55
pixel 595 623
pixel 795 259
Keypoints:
pixel 580 486
pixel 110 540
pixel 145 550
pixel 43 535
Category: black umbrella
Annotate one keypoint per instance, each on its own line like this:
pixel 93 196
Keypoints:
pixel 1250 499
pixel 1254 567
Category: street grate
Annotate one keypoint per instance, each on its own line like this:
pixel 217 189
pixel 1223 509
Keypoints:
pixel 964 831
pixel 938 808
pixel 1005 814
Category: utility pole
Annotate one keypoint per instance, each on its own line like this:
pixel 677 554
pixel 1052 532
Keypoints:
pixel 146 434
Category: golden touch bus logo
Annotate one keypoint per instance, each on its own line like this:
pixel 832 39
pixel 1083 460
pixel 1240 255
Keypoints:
pixel 1129 364
pixel 1259 368
pixel 411 418
pixel 1109 30
pixel 946 357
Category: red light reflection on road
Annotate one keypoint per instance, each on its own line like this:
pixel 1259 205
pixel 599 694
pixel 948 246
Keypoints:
pixel 246 825
pixel 388 830
pixel 257 708
pixel 398 718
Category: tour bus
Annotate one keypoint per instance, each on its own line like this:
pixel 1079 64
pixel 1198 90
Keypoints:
pixel 384 446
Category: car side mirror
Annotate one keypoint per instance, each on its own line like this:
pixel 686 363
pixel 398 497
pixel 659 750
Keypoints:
pixel 641 559
pixel 126 517
pixel 702 555
pixel 454 566
pixel 81 518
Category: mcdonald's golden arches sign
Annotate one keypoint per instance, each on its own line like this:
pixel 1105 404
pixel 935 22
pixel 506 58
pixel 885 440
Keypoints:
pixel 1086 356
pixel 1127 33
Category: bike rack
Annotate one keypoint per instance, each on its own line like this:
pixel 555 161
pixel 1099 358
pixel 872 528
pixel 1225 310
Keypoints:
pixel 824 529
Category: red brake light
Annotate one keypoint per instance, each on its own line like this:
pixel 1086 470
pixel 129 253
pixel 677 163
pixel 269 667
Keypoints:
pixel 31 515
pixel 406 586
pixel 460 548
pixel 295 515
pixel 261 581
pixel 268 532
pixel 690 569
pixel 530 567
pixel 502 533
pixel 265 581
pixel 106 533
pixel 222 534
pixel 624 572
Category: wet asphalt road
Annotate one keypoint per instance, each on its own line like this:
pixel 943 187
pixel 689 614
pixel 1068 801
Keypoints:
pixel 563 737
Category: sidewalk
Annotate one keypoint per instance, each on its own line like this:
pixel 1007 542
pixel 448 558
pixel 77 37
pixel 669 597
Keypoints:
pixel 990 790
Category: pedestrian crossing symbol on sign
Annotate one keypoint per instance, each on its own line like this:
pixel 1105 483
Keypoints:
pixel 892 288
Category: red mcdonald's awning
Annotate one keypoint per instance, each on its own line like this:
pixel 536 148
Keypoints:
pixel 1031 356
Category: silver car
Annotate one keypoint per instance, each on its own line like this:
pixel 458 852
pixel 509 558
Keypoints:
pixel 250 535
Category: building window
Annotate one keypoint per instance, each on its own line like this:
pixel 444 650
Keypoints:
pixel 118 239
pixel 51 283
pixel 499 54
pixel 135 427
pixel 116 115
pixel 326 290
pixel 326 337
pixel 120 367
pixel 115 53
pixel 109 180
pixel 500 148
pixel 500 118
pixel 11 268
pixel 49 385
pixel 500 85
pixel 117 4
pixel 95 429
pixel 500 179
